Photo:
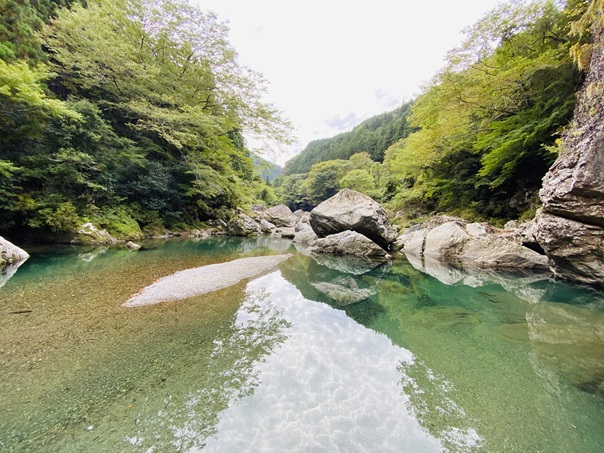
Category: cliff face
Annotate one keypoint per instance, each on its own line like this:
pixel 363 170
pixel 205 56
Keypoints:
pixel 570 227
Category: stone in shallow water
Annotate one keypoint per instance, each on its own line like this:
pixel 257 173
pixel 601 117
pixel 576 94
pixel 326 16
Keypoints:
pixel 202 280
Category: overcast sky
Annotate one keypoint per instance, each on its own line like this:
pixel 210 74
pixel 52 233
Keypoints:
pixel 333 63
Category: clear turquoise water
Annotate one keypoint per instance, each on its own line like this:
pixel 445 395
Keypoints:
pixel 483 363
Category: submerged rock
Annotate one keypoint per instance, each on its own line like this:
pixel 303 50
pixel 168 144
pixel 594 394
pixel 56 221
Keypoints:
pixel 344 291
pixel 354 211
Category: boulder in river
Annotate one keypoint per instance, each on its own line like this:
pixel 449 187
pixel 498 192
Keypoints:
pixel 244 225
pixel 280 216
pixel 353 211
pixel 470 245
pixel 10 253
pixel 89 234
pixel 348 243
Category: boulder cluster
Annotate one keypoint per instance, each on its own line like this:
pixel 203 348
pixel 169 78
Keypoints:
pixel 278 220
pixel 349 223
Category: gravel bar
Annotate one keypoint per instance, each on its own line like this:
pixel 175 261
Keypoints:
pixel 202 280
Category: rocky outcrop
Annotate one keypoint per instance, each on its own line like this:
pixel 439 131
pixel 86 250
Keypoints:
pixel 10 253
pixel 278 220
pixel 472 245
pixel 571 226
pixel 90 234
pixel 348 243
pixel 349 210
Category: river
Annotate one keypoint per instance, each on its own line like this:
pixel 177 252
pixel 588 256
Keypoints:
pixel 449 362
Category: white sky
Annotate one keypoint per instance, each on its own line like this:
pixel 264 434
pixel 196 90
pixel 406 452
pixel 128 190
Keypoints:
pixel 333 63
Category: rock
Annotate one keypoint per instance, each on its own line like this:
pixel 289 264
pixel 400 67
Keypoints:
pixel 303 220
pixel 132 246
pixel 267 227
pixel 576 248
pixel 351 210
pixel 472 245
pixel 244 225
pixel 305 235
pixel 344 291
pixel 571 226
pixel 348 243
pixel 286 232
pixel 89 234
pixel 281 216
pixel 445 241
pixel 10 254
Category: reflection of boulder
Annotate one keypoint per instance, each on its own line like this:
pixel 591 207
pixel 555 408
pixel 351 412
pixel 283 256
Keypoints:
pixel 355 265
pixel 347 243
pixel 351 210
pixel 344 291
pixel 517 283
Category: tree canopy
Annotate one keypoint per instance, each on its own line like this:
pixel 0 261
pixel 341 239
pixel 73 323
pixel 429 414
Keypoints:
pixel 137 109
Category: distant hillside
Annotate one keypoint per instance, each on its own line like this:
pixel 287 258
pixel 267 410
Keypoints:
pixel 267 169
pixel 373 136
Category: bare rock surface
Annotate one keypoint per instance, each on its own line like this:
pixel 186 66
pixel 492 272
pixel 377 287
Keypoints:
pixel 471 245
pixel 89 233
pixel 348 243
pixel 354 211
pixel 280 216
pixel 202 280
pixel 10 253
pixel 571 227
pixel 244 225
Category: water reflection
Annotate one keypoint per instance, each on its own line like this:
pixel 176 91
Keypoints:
pixel 484 362
pixel 190 413
pixel 332 386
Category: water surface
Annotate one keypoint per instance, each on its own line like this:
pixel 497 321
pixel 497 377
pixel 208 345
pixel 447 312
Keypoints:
pixel 449 362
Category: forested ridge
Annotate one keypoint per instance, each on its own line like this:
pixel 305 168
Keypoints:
pixel 129 114
pixel 479 139
pixel 132 114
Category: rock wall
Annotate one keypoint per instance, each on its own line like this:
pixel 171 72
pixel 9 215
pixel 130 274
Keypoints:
pixel 570 227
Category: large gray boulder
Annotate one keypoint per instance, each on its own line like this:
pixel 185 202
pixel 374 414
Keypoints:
pixel 348 243
pixel 10 253
pixel 471 245
pixel 90 234
pixel 354 211
pixel 244 225
pixel 280 216
pixel 305 235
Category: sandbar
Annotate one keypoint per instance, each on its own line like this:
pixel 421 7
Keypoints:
pixel 202 280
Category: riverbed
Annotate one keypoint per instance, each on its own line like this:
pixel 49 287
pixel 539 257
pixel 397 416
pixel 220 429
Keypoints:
pixel 284 362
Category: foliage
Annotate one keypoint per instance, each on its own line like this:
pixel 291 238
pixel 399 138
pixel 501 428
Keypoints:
pixel 142 125
pixel 372 136
pixel 489 119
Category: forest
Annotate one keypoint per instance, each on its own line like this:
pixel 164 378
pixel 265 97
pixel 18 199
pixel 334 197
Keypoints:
pixel 132 114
